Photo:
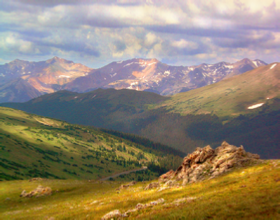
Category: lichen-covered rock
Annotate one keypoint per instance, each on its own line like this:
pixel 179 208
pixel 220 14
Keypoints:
pixel 156 202
pixel 152 186
pixel 39 191
pixel 167 176
pixel 171 183
pixel 113 214
pixel 140 206
pixel 207 163
pixel 184 199
pixel 124 186
pixel 35 179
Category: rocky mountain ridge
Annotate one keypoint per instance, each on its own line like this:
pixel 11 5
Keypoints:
pixel 138 74
pixel 39 77
pixel 153 75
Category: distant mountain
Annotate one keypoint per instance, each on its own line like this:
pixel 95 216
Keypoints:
pixel 41 77
pixel 152 75
pixel 137 74
pixel 108 108
pixel 17 90
pixel 243 109
pixel 248 93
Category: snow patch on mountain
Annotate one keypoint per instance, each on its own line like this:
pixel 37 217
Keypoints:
pixel 273 66
pixel 229 66
pixel 132 84
pixel 151 63
pixel 140 63
pixel 167 72
pixel 256 106
pixel 64 76
pixel 255 62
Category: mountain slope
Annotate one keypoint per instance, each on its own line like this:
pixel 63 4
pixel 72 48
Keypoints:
pixel 233 96
pixel 35 146
pixel 44 76
pixel 100 107
pixel 17 90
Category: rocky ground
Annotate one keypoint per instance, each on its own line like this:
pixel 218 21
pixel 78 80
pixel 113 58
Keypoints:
pixel 204 163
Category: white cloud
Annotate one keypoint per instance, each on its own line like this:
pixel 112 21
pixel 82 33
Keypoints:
pixel 184 30
pixel 182 43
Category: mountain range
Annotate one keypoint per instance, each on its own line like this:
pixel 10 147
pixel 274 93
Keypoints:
pixel 21 81
pixel 243 109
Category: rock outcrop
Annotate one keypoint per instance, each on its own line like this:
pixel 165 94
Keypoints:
pixel 152 186
pixel 39 191
pixel 125 186
pixel 207 163
pixel 112 215
pixel 116 214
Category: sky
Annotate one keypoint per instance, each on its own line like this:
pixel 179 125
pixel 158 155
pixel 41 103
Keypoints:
pixel 182 32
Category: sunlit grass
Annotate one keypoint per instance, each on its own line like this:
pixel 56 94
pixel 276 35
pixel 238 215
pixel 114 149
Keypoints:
pixel 246 193
pixel 64 150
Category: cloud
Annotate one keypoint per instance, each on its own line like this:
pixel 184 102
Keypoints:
pixel 174 31
pixel 182 43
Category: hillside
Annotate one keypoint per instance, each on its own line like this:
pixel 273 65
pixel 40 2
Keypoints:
pixel 35 146
pixel 17 90
pixel 244 193
pixel 107 108
pixel 254 91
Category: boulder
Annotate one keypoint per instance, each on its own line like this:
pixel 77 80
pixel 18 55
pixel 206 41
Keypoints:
pixel 167 176
pixel 39 191
pixel 207 163
pixel 124 186
pixel 140 206
pixel 156 202
pixel 35 179
pixel 171 183
pixel 113 214
pixel 152 186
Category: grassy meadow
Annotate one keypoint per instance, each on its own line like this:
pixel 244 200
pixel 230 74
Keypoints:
pixel 244 193
pixel 35 146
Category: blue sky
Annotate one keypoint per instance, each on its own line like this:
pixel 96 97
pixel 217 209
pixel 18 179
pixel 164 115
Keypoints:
pixel 183 32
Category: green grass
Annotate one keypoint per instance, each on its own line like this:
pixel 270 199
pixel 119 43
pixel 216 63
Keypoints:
pixel 35 146
pixel 245 193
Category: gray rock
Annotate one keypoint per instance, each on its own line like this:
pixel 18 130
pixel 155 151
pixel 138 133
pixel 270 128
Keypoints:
pixel 113 214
